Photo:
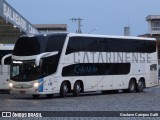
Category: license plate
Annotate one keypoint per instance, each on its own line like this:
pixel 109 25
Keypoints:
pixel 22 92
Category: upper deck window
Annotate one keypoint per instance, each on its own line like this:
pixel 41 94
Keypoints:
pixel 28 46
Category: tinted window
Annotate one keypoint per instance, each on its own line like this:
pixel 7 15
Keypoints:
pixel 89 69
pixel 55 43
pixel 81 44
pixel 26 71
pixel 49 65
pixel 93 44
pixel 26 46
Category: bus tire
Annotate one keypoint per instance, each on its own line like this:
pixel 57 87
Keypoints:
pixel 140 86
pixel 132 86
pixel 77 88
pixel 63 90
pixel 49 95
pixel 35 96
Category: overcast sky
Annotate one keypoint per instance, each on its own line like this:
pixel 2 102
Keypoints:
pixel 109 16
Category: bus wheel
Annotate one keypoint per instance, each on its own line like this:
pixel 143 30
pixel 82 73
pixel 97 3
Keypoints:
pixel 63 90
pixel 77 89
pixel 35 96
pixel 132 86
pixel 140 86
pixel 49 95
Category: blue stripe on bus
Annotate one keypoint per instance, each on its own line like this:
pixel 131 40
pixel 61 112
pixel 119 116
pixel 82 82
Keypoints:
pixel 40 89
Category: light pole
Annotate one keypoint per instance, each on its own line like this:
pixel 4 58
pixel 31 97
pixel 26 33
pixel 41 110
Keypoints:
pixel 79 24
pixel 92 30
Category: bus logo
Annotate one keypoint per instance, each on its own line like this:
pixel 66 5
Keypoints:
pixel 6 114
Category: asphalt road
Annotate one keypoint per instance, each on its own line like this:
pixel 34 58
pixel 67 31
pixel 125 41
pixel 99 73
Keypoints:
pixel 149 100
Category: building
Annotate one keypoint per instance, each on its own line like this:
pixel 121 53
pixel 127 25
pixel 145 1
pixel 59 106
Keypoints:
pixel 127 31
pixel 153 29
pixel 50 28
pixel 153 26
pixel 12 24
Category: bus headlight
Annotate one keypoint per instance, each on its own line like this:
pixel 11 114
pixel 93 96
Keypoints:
pixel 10 84
pixel 36 84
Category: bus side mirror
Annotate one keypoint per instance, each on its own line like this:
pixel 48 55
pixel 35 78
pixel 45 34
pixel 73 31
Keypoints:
pixel 46 54
pixel 3 59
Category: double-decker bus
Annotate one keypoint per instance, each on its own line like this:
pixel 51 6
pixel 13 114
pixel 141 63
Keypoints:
pixel 5 52
pixel 76 63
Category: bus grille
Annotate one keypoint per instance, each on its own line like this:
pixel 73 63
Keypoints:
pixel 22 86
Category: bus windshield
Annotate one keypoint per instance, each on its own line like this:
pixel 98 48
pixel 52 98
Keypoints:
pixel 24 71
pixel 28 71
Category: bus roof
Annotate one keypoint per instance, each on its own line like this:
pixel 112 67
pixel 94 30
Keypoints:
pixel 44 34
pixel 91 35
pixel 111 36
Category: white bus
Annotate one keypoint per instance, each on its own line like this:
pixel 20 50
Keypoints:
pixel 76 63
pixel 5 49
